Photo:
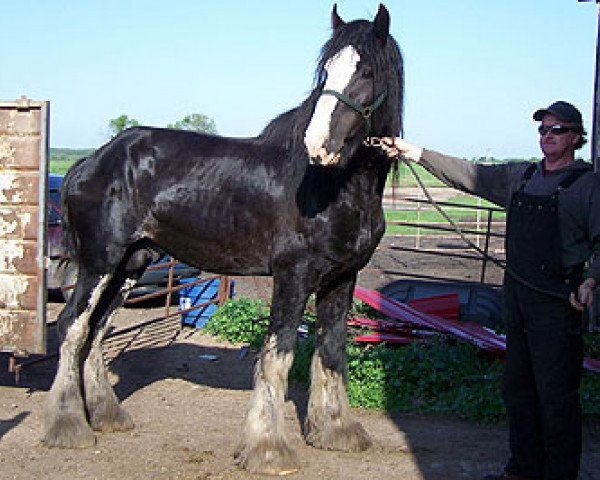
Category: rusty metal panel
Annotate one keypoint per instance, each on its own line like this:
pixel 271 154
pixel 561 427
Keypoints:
pixel 23 171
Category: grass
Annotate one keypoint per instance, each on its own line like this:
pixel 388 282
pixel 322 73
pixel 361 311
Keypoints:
pixel 60 166
pixel 62 158
pixel 440 376
pixel 423 213
pixel 405 178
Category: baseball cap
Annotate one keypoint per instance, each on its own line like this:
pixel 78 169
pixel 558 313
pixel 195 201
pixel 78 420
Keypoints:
pixel 563 111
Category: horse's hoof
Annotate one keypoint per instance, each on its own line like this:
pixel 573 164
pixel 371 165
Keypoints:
pixel 351 437
pixel 68 431
pixel 268 458
pixel 115 420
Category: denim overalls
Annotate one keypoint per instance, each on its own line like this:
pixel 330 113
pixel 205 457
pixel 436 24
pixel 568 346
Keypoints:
pixel 544 344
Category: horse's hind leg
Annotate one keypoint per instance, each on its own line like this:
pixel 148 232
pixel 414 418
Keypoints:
pixel 264 447
pixel 103 408
pixel 66 422
pixel 329 424
pixel 104 411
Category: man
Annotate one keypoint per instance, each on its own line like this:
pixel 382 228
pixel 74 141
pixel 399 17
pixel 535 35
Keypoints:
pixel 553 228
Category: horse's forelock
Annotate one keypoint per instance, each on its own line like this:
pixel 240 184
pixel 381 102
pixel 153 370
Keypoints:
pixel 352 33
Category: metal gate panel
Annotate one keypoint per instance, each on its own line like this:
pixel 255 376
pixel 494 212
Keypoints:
pixel 23 171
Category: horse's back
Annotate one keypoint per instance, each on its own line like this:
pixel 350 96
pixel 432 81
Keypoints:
pixel 231 196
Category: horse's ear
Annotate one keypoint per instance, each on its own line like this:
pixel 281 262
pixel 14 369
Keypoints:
pixel 381 24
pixel 336 20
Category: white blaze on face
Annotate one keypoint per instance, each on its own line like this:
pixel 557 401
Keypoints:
pixel 340 69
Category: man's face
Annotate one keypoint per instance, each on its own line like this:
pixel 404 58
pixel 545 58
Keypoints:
pixel 557 145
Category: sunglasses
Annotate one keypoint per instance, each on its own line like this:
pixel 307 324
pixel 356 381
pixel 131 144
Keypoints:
pixel 555 129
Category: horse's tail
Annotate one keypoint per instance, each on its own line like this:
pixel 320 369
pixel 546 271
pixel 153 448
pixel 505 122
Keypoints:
pixel 69 240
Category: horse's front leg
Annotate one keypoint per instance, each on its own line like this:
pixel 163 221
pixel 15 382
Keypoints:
pixel 329 424
pixel 264 447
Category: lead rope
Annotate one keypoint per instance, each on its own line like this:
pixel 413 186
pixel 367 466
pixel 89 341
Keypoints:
pixel 373 141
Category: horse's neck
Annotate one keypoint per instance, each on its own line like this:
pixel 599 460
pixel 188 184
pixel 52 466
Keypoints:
pixel 288 128
pixel 366 172
pixel 371 168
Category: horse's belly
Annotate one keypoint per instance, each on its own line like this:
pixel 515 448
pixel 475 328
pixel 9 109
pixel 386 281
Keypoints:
pixel 218 250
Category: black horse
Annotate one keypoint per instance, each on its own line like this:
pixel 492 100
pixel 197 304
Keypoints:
pixel 301 202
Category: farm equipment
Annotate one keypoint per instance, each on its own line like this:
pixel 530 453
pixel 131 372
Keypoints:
pixel 405 324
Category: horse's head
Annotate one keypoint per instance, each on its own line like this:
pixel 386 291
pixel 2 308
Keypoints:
pixel 360 89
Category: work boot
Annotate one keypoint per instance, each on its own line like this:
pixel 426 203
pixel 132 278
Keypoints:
pixel 506 476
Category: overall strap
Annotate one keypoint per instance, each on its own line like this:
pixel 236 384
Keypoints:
pixel 564 184
pixel 527 175
pixel 572 178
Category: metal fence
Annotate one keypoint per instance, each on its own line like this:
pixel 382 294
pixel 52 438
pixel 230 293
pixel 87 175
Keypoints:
pixel 483 227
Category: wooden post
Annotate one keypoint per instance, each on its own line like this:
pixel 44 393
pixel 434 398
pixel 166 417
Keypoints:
pixel 224 289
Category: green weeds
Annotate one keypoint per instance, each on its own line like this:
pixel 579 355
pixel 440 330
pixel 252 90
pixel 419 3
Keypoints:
pixel 440 376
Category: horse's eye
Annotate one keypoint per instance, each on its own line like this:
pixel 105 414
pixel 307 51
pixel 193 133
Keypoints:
pixel 367 73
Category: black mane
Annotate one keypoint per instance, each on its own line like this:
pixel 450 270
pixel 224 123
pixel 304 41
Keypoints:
pixel 288 128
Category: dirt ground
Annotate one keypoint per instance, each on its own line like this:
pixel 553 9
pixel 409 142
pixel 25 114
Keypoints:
pixel 188 410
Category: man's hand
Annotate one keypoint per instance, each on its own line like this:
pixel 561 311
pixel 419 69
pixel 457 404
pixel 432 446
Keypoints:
pixel 585 294
pixel 398 146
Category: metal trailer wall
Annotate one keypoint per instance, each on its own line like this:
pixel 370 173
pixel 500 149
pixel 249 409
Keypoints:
pixel 23 172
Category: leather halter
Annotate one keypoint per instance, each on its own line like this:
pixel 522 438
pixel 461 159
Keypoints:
pixel 364 112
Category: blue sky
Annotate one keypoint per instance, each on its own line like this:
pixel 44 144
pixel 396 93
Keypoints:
pixel 475 69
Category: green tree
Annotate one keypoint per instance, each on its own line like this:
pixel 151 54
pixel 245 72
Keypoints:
pixel 117 125
pixel 195 122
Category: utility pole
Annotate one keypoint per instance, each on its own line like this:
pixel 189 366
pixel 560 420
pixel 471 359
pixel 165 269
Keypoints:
pixel 596 113
pixel 593 312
